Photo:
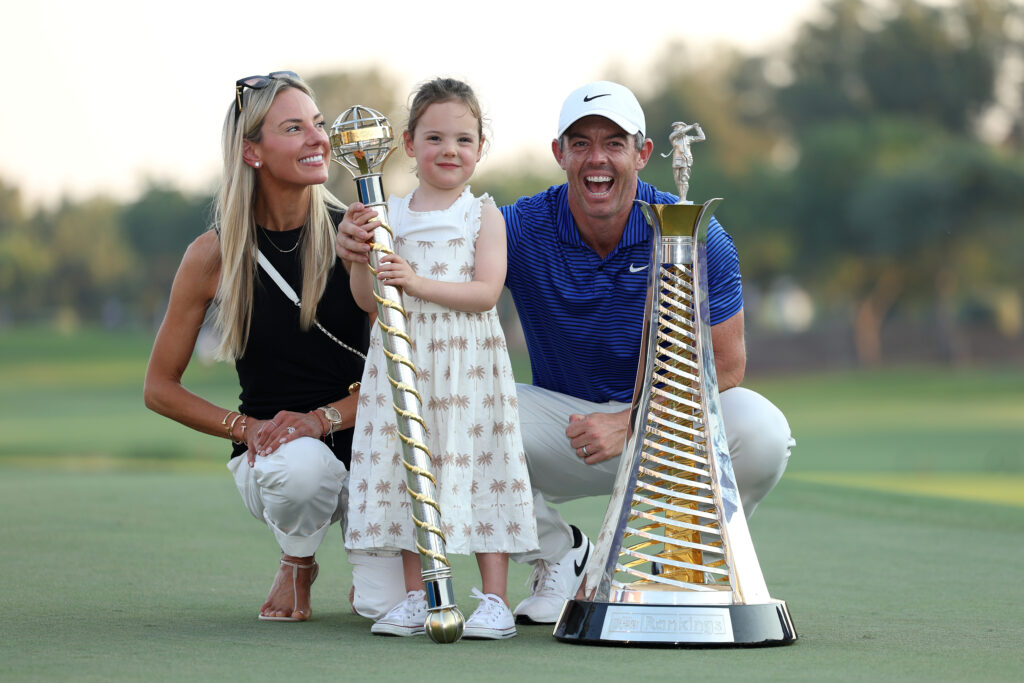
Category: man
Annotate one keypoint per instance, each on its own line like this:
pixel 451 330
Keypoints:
pixel 576 269
pixel 577 255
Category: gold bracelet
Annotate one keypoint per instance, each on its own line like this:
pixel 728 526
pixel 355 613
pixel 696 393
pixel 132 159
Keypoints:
pixel 225 422
pixel 231 429
pixel 241 439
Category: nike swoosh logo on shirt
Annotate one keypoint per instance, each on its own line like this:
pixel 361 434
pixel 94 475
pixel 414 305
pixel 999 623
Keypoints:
pixel 580 566
pixel 634 269
pixel 594 97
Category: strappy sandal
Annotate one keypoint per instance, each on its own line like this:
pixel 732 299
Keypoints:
pixel 295 589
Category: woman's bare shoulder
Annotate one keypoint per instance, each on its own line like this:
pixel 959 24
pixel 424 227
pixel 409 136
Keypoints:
pixel 200 266
pixel 203 253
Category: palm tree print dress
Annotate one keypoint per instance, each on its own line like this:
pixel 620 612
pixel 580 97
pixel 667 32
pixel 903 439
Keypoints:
pixel 469 405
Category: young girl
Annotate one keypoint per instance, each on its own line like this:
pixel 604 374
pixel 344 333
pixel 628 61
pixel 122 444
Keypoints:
pixel 450 263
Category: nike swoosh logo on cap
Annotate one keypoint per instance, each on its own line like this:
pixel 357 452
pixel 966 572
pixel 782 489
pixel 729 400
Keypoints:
pixel 594 97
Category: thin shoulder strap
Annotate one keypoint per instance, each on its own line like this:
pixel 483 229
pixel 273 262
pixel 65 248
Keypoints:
pixel 276 277
pixel 270 270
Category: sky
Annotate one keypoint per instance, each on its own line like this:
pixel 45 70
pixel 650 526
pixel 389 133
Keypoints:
pixel 106 96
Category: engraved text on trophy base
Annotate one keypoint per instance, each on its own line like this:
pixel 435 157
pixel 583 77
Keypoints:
pixel 692 624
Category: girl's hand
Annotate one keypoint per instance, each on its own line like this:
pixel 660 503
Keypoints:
pixel 395 271
pixel 355 233
pixel 269 435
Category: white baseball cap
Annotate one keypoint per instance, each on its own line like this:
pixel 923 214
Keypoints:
pixel 615 102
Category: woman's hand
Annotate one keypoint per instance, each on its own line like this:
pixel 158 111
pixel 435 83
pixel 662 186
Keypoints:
pixel 269 435
pixel 355 233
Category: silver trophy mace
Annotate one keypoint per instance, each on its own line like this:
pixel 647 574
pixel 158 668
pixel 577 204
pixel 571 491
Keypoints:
pixel 361 141
pixel 674 564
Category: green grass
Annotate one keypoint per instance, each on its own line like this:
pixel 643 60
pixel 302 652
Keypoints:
pixel 906 420
pixel 158 576
pixel 128 556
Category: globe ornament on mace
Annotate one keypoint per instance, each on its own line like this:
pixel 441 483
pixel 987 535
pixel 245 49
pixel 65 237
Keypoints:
pixel 361 141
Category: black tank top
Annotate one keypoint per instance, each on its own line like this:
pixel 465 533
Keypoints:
pixel 285 368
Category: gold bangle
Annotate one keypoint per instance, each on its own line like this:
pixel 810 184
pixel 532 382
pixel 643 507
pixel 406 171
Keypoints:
pixel 225 422
pixel 241 439
pixel 231 429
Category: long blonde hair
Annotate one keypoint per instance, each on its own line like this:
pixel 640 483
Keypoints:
pixel 235 220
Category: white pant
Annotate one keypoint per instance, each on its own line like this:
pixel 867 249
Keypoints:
pixel 299 491
pixel 759 444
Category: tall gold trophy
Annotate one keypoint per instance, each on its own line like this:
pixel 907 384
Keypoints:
pixel 674 564
pixel 361 141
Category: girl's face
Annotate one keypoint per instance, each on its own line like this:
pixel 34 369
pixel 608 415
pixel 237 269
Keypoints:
pixel 294 149
pixel 446 145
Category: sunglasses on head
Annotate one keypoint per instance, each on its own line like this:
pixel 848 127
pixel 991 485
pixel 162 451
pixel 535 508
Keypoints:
pixel 257 83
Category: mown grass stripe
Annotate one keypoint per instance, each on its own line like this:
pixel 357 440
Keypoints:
pixel 1002 489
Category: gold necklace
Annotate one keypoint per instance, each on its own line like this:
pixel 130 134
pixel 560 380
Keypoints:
pixel 283 251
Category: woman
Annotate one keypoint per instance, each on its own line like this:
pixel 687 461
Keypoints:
pixel 296 365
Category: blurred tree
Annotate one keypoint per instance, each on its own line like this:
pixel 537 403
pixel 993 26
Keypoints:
pixel 88 260
pixel 949 216
pixel 11 211
pixel 24 259
pixel 903 58
pixel 336 92
pixel 885 103
pixel 742 159
pixel 894 210
pixel 507 184
pixel 159 225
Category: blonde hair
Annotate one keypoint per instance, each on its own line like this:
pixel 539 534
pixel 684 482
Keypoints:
pixel 236 223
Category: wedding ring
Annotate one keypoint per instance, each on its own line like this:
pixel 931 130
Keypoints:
pixel 290 430
pixel 585 451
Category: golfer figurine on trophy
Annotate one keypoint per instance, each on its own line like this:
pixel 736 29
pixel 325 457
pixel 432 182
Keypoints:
pixel 682 157
pixel 674 564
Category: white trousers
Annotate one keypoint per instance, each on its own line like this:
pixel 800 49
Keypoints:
pixel 759 444
pixel 299 491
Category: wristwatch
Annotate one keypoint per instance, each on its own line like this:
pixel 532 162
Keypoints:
pixel 333 416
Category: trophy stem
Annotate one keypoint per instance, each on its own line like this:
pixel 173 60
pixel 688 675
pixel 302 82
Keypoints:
pixel 444 622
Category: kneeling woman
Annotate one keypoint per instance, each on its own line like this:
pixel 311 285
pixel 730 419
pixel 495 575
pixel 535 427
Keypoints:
pixel 292 433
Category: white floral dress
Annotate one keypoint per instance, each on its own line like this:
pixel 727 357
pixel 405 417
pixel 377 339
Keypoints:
pixel 469 405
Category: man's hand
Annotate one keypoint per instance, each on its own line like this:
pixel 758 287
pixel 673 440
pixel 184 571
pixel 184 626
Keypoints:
pixel 598 436
pixel 355 233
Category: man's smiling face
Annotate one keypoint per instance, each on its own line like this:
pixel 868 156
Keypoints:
pixel 601 163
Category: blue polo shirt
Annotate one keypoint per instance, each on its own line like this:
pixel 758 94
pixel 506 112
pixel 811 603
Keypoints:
pixel 583 315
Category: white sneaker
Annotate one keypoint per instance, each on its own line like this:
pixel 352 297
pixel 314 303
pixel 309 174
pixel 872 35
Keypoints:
pixel 405 619
pixel 491 619
pixel 552 583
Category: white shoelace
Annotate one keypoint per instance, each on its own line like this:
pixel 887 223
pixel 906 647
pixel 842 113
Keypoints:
pixel 414 603
pixel 543 578
pixel 490 610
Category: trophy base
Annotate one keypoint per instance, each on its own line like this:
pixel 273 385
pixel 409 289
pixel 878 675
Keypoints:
pixel 649 625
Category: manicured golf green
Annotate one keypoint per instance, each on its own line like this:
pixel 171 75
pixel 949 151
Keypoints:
pixel 897 539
